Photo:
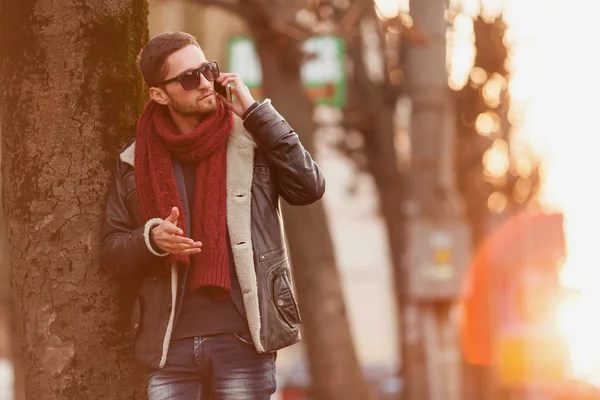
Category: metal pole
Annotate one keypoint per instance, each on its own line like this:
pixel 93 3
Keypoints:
pixel 431 186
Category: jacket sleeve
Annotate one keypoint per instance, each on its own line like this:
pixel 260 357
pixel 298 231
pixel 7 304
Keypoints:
pixel 298 175
pixel 125 249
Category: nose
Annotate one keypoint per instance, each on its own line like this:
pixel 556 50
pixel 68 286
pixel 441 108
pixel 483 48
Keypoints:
pixel 204 83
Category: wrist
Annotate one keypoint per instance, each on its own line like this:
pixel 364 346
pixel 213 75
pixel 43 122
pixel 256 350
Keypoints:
pixel 149 237
pixel 152 240
pixel 246 104
pixel 249 110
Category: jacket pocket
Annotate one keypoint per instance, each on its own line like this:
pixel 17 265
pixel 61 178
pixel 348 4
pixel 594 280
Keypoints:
pixel 276 255
pixel 155 310
pixel 135 321
pixel 284 300
pixel 263 169
pixel 264 184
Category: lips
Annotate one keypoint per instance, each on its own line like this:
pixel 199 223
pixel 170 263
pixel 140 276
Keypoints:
pixel 206 95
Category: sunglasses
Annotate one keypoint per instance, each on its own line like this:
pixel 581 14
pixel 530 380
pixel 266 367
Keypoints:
pixel 190 80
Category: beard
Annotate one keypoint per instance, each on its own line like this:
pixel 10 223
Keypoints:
pixel 201 107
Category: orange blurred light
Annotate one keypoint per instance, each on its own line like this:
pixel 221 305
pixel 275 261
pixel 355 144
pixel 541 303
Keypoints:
pixel 554 89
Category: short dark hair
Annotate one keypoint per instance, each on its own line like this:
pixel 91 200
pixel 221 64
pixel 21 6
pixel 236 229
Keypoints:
pixel 154 54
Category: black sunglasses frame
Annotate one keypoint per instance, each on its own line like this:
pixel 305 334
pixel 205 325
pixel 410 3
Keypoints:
pixel 200 70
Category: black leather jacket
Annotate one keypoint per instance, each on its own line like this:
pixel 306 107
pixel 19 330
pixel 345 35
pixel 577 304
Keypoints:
pixel 281 167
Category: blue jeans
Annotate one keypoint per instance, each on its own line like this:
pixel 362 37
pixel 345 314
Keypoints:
pixel 219 367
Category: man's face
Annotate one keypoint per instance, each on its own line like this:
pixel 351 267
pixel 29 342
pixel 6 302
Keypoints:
pixel 201 101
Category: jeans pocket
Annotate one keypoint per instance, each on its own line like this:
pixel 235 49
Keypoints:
pixel 244 338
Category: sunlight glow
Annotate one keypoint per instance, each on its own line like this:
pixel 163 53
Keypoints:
pixel 391 8
pixel 557 85
pixel 460 51
pixel 493 90
pixel 495 159
pixel 554 112
pixel 497 202
pixel 555 93
pixel 487 123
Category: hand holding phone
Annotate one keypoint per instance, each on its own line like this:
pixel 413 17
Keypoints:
pixel 235 94
pixel 224 91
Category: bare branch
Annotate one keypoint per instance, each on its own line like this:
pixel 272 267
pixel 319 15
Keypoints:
pixel 235 6
pixel 282 18
pixel 353 14
pixel 291 30
pixel 410 31
pixel 260 13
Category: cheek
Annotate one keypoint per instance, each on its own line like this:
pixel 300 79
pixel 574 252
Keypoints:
pixel 185 97
pixel 177 94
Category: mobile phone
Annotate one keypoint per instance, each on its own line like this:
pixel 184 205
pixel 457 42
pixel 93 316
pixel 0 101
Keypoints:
pixel 224 91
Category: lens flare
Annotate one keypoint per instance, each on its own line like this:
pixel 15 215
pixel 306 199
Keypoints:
pixel 554 91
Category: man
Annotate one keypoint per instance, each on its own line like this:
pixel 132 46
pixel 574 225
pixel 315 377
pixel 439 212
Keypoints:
pixel 192 215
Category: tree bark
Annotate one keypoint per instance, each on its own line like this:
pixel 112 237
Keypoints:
pixel 334 366
pixel 70 99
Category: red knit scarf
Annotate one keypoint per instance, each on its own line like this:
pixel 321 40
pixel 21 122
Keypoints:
pixel 157 138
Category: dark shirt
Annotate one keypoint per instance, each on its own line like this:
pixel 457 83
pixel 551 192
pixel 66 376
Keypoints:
pixel 202 315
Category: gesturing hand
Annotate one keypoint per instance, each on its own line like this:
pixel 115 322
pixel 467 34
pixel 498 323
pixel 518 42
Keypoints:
pixel 170 238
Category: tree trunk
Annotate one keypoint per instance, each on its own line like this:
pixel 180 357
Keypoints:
pixel 70 98
pixel 470 102
pixel 375 103
pixel 335 369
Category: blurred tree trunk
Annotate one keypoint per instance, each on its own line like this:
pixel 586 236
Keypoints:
pixel 335 369
pixel 371 111
pixel 471 101
pixel 478 382
pixel 70 99
pixel 491 55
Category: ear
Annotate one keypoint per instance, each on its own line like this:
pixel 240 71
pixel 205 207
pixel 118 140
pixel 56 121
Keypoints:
pixel 159 96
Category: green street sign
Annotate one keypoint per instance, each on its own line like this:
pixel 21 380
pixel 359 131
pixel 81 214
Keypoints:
pixel 323 75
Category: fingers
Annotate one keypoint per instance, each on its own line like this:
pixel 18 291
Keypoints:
pixel 165 238
pixel 172 229
pixel 184 249
pixel 225 75
pixel 225 100
pixel 178 239
pixel 237 81
pixel 229 77
pixel 190 251
pixel 176 247
pixel 183 246
pixel 174 215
